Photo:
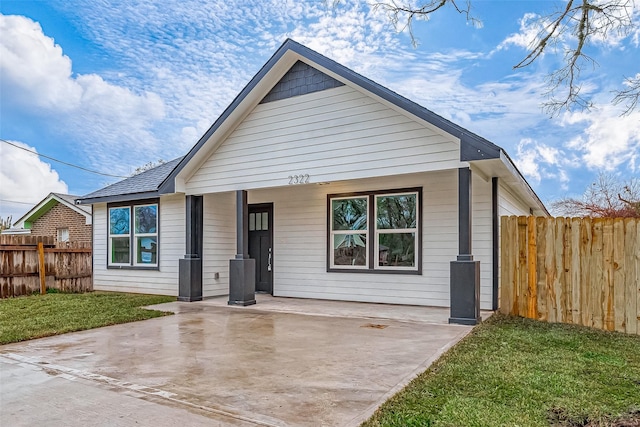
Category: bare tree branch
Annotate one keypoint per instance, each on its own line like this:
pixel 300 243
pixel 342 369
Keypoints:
pixel 630 96
pixel 402 15
pixel 5 223
pixel 574 28
pixel 606 197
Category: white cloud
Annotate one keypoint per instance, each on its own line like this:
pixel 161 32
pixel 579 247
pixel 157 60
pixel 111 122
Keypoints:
pixel 620 22
pixel 531 25
pixel 355 35
pixel 34 70
pixel 609 140
pixel 532 157
pixel 105 121
pixel 539 161
pixel 24 178
pixel 198 55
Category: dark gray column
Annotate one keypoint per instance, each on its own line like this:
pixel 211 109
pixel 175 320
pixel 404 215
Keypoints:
pixel 190 267
pixel 242 269
pixel 464 215
pixel 465 272
pixel 242 225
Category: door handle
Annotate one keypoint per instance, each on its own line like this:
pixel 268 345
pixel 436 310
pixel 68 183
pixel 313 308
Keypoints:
pixel 269 261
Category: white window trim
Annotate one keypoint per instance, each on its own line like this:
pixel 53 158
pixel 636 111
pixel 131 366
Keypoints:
pixel 415 230
pixel 111 236
pixel 61 234
pixel 136 235
pixel 338 232
pixel 133 236
pixel 372 231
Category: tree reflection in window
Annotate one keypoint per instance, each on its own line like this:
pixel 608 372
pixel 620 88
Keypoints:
pixel 396 225
pixel 146 219
pixel 393 231
pixel 349 248
pixel 119 221
pixel 396 211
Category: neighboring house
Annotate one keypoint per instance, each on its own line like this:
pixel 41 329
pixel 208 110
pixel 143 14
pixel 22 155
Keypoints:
pixel 56 215
pixel 327 184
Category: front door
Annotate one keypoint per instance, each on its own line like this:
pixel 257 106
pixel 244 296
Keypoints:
pixel 260 244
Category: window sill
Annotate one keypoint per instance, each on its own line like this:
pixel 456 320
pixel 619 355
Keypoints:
pixel 373 271
pixel 132 267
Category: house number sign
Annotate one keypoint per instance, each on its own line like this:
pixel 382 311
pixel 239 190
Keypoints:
pixel 298 179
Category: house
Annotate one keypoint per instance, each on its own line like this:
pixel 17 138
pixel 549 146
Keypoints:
pixel 316 182
pixel 56 215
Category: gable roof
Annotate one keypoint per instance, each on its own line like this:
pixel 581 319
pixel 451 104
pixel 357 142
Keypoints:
pixel 473 147
pixel 484 156
pixel 49 202
pixel 141 186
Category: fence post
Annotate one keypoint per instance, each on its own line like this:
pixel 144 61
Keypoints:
pixel 532 294
pixel 43 288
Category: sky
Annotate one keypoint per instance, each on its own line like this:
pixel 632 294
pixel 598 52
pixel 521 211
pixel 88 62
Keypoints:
pixel 112 85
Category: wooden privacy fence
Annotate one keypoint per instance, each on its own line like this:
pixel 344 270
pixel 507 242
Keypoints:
pixel 584 271
pixel 30 264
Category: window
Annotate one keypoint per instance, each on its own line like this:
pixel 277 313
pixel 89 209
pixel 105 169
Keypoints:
pixel 63 234
pixel 376 231
pixel 349 232
pixel 133 235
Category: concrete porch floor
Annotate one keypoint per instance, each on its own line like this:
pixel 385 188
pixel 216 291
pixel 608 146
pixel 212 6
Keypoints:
pixel 330 308
pixel 282 362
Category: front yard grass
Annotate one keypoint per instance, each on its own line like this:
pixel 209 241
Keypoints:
pixel 518 372
pixel 37 316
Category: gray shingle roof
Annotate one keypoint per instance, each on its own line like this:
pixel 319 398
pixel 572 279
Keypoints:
pixel 71 199
pixel 144 184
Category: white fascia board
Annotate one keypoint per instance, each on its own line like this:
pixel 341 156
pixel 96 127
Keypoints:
pixel 504 169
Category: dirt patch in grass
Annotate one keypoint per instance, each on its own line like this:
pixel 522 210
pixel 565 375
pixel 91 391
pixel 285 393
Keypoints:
pixel 558 417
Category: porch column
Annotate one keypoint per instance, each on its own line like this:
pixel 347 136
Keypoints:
pixel 190 267
pixel 465 272
pixel 242 269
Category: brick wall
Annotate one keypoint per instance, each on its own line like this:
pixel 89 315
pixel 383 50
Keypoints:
pixel 61 216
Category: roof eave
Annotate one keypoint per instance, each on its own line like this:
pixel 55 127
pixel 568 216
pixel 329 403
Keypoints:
pixel 118 198
pixel 506 160
pixel 34 213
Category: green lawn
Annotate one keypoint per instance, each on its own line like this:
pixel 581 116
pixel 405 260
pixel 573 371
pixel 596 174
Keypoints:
pixel 37 316
pixel 518 372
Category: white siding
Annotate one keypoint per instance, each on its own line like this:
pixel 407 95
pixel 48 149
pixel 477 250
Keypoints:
pixel 333 135
pixel 509 203
pixel 482 238
pixel 171 248
pixel 219 242
pixel 300 234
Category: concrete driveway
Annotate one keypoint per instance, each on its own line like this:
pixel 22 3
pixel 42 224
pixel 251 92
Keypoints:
pixel 282 362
